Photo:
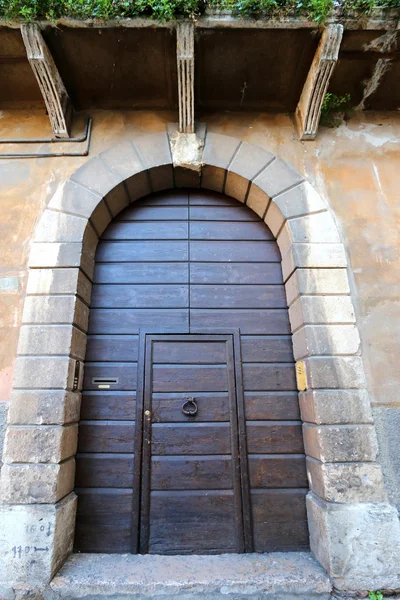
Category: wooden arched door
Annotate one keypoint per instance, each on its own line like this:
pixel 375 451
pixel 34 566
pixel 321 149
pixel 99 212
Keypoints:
pixel 190 439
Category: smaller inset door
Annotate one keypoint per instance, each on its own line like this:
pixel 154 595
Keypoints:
pixel 187 455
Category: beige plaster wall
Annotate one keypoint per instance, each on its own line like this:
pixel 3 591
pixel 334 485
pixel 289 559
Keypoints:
pixel 356 167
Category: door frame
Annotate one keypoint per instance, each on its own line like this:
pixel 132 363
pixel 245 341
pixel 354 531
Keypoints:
pixel 238 430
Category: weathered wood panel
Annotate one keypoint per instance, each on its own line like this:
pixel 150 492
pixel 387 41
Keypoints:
pixel 190 261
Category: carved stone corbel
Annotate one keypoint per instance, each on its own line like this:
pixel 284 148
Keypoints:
pixel 50 83
pixel 185 63
pixel 308 110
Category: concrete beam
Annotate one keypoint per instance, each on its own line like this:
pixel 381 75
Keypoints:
pixel 308 110
pixel 185 63
pixel 50 83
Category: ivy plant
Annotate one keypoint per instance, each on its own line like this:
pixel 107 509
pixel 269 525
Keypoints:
pixel 315 10
pixel 375 595
pixel 331 106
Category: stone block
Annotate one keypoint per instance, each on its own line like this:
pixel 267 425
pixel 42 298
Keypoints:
pixel 274 218
pixel 96 175
pixel 52 340
pixel 40 444
pixel 340 443
pixel 161 178
pixel 336 372
pixel 3 426
pixel 313 256
pixel 55 310
pixel 116 200
pixel 316 282
pixel 387 426
pixel 358 543
pixel 60 255
pixel 37 484
pixel 186 178
pixel 300 200
pixel 72 198
pixel 246 164
pixel 258 201
pixel 218 153
pixel 332 407
pixel 318 228
pixel 251 576
pixel 138 186
pixel 325 340
pixel 277 177
pixel 44 407
pixel 155 153
pixel 60 227
pixel 346 482
pixel 321 309
pixel 44 372
pixel 65 282
pixel 123 159
pixel 35 540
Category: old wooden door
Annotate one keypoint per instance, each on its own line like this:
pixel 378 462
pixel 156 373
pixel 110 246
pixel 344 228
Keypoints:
pixel 190 436
pixel 190 479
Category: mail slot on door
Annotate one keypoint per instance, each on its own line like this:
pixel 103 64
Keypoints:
pixel 104 383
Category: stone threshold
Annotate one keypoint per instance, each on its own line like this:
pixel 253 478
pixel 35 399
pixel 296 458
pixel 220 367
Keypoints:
pixel 277 576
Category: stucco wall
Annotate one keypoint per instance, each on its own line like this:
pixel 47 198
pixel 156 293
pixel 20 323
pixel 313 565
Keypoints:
pixel 354 167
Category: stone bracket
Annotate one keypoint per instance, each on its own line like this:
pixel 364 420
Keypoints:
pixel 54 94
pixel 308 110
pixel 185 64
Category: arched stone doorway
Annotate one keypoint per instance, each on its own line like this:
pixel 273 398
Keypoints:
pixel 220 466
pixel 353 529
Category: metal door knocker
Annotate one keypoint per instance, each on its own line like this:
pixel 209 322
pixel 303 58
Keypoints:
pixel 189 407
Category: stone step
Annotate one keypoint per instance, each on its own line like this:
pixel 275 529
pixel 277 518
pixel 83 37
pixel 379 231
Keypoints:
pixel 273 576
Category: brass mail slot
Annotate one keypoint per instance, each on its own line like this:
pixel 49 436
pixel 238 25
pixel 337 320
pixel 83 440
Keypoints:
pixel 104 382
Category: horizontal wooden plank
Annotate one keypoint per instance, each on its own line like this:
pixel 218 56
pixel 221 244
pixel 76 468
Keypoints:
pixel 143 272
pixel 147 251
pixel 257 321
pixel 212 406
pixel 106 436
pixel 192 522
pixel 104 470
pixel 236 230
pixel 114 406
pixel 267 349
pixel 269 437
pixel 279 520
pixel 190 438
pixel 198 352
pixel 237 296
pixel 143 230
pixel 104 521
pixel 210 198
pixel 277 471
pixel 271 406
pixel 140 296
pixel 233 273
pixel 173 197
pixel 269 376
pixel 141 212
pixel 191 473
pixel 190 378
pixel 125 373
pixel 222 213
pixel 236 251
pixel 128 321
pixel 112 348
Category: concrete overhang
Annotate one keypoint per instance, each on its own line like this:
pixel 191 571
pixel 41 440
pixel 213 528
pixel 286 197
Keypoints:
pixel 240 64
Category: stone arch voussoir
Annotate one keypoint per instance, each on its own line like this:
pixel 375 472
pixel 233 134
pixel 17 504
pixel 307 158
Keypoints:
pixel 340 442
